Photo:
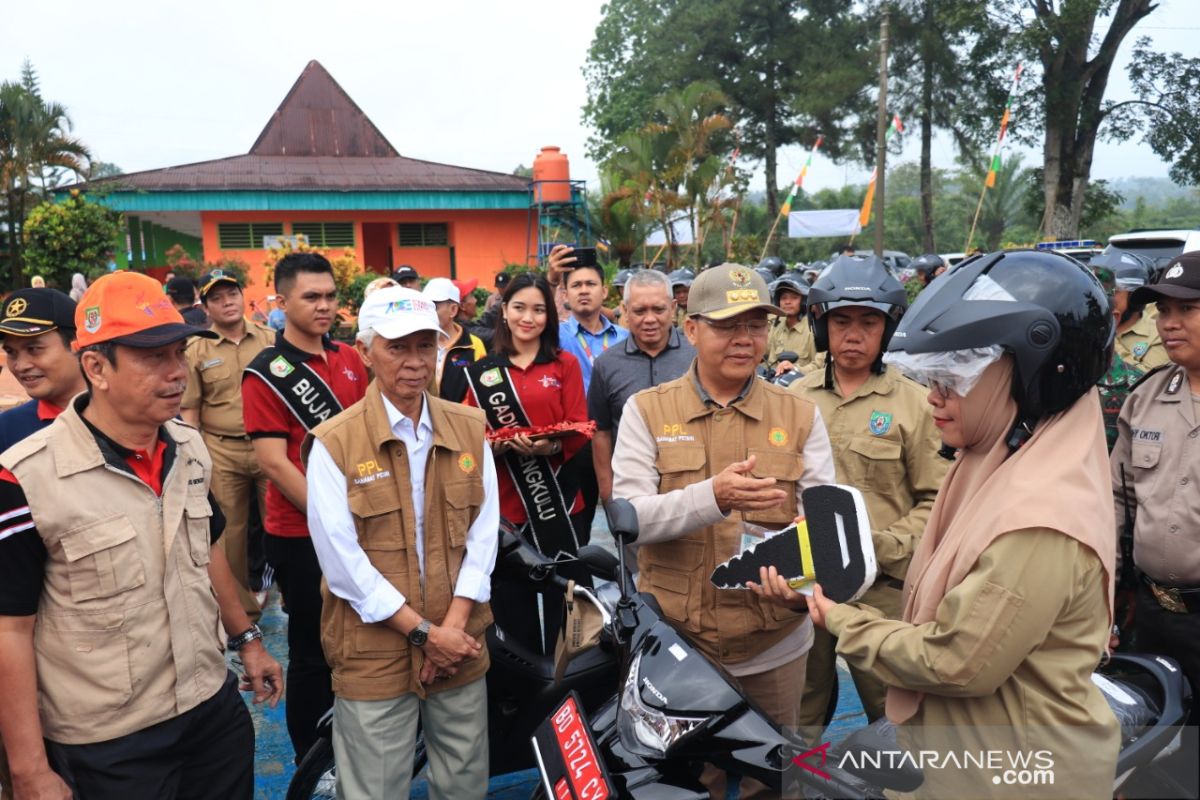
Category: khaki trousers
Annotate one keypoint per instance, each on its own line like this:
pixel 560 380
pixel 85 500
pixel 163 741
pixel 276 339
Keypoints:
pixel 777 692
pixel 822 669
pixel 236 476
pixel 374 742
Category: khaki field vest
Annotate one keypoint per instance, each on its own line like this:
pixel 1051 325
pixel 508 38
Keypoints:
pixel 694 443
pixel 128 632
pixel 372 661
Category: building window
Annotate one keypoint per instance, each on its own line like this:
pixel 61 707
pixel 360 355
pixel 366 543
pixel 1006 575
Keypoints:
pixel 326 234
pixel 246 235
pixel 424 234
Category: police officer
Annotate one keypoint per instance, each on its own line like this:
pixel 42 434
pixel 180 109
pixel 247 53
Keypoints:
pixel 1157 460
pixel 213 403
pixel 111 591
pixel 884 443
pixel 713 458
pixel 37 329
pixel 791 332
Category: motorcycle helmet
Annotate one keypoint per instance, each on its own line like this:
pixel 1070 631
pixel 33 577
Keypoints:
pixel 1044 308
pixel 1129 270
pixel 681 277
pixel 792 281
pixel 767 275
pixel 926 265
pixel 622 277
pixel 774 264
pixel 856 281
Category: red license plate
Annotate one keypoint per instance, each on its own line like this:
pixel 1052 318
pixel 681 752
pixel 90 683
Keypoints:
pixel 567 755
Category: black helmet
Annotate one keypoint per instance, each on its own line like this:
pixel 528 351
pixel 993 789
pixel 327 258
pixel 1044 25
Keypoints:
pixel 681 277
pixel 1129 270
pixel 927 264
pixel 855 281
pixel 767 274
pixel 1054 321
pixel 774 264
pixel 793 281
pixel 622 277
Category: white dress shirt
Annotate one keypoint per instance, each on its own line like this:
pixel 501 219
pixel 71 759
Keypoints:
pixel 349 573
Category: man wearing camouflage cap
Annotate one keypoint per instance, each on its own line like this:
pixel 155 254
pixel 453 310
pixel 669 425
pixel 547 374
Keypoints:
pixel 712 461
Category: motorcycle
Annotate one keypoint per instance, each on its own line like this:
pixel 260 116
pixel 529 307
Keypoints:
pixel 676 709
pixel 521 685
pixel 783 379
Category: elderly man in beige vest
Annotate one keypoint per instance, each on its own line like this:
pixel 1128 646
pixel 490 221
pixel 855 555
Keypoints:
pixel 712 461
pixel 404 511
pixel 112 591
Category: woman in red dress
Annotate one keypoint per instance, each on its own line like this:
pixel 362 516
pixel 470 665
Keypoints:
pixel 528 381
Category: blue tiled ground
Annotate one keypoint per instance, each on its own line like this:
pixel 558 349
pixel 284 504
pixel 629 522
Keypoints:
pixel 273 762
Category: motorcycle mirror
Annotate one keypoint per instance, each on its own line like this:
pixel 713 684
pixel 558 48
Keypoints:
pixel 788 355
pixel 599 562
pixel 622 520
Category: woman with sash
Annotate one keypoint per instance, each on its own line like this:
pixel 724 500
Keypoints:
pixel 528 381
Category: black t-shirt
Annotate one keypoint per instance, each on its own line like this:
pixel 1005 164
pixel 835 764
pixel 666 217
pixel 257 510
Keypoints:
pixel 22 553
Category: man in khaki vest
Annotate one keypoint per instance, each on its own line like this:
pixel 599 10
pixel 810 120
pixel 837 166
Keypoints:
pixel 884 443
pixel 213 403
pixel 404 510
pixel 712 461
pixel 112 592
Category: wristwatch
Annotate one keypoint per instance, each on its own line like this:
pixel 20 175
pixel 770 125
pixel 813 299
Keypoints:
pixel 419 635
pixel 244 638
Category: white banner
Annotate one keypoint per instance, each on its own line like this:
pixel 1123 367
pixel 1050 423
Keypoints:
pixel 836 222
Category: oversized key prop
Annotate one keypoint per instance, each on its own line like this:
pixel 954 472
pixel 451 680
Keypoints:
pixel 830 546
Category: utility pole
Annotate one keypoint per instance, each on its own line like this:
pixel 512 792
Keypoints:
pixel 881 127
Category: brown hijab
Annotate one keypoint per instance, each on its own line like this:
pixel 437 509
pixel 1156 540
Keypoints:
pixel 1059 479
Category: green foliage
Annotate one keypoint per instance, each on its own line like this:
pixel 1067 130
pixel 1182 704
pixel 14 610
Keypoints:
pixel 182 263
pixel 1100 205
pixel 75 235
pixel 352 295
pixel 1168 112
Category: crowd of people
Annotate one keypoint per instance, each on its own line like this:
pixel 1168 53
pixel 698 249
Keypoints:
pixel 177 456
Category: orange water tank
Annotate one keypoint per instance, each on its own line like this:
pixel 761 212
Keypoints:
pixel 551 173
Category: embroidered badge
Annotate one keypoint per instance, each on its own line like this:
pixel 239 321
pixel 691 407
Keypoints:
pixel 466 462
pixel 280 367
pixel 880 423
pixel 1140 349
pixel 778 437
pixel 549 382
pixel 1174 272
pixel 350 376
pixel 1176 380
pixel 211 363
pixel 91 319
pixel 16 307
pixel 740 276
pixel 491 377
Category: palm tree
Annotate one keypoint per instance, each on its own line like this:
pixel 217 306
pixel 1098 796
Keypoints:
pixel 35 143
pixel 1003 203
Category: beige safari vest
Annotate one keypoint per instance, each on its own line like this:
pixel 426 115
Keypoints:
pixel 372 661
pixel 128 632
pixel 694 443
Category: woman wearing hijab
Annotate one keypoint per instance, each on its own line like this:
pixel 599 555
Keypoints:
pixel 78 286
pixel 1008 598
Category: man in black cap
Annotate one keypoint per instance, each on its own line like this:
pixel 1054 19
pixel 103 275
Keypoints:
pixel 38 326
pixel 407 277
pixel 183 294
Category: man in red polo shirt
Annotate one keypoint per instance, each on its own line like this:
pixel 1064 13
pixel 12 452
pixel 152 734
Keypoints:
pixel 287 390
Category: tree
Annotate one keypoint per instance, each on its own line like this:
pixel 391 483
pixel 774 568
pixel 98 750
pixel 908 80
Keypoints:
pixel 35 141
pixel 75 235
pixel 1168 112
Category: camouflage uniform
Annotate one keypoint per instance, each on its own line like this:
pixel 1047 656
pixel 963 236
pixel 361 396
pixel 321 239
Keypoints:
pixel 1114 388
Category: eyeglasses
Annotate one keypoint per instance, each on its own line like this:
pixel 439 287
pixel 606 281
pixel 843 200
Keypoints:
pixel 755 327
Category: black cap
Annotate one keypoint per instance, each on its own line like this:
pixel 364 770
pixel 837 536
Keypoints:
pixel 1180 280
pixel 405 273
pixel 502 279
pixel 32 312
pixel 211 279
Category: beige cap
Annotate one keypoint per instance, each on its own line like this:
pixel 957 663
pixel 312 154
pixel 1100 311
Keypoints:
pixel 727 290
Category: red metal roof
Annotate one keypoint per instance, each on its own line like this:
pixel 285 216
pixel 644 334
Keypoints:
pixel 318 140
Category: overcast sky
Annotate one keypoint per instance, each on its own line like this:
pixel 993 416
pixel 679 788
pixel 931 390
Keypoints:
pixel 480 84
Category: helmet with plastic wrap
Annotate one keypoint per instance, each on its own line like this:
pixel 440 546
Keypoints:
pixel 1043 308
pixel 792 282
pixel 774 264
pixel 855 281
pixel 681 277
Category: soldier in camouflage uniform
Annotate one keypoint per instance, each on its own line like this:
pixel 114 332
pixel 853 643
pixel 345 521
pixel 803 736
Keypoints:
pixel 1114 387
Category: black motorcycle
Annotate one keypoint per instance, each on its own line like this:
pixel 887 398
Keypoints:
pixel 675 710
pixel 521 685
pixel 783 379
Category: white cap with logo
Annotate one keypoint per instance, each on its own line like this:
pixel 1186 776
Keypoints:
pixel 440 289
pixel 395 312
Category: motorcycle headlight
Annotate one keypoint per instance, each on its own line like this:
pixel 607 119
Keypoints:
pixel 642 728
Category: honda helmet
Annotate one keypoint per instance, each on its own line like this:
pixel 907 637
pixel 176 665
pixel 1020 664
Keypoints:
pixel 855 281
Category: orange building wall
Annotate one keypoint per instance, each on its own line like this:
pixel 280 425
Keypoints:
pixel 483 241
